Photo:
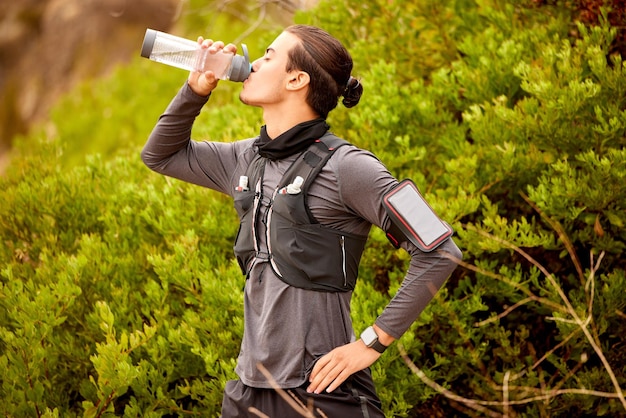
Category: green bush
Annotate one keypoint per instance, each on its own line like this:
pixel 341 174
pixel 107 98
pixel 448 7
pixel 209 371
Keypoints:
pixel 119 292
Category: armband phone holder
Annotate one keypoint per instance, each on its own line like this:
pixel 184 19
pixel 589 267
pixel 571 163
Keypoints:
pixel 413 219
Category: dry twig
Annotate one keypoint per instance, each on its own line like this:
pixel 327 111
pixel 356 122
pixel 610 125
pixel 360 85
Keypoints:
pixel 583 325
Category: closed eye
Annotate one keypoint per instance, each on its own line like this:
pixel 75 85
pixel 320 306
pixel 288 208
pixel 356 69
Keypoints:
pixel 268 53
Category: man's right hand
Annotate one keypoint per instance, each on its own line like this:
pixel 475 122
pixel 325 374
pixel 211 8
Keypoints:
pixel 204 83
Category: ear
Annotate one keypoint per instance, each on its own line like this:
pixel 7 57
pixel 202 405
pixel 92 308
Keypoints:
pixel 298 80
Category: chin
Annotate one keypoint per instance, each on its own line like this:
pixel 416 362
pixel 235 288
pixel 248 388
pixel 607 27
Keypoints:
pixel 248 99
pixel 244 100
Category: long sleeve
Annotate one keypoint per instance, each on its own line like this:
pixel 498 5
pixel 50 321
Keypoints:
pixel 170 150
pixel 363 182
pixel 426 274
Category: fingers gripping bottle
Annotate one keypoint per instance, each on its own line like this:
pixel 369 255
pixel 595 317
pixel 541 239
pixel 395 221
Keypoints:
pixel 187 55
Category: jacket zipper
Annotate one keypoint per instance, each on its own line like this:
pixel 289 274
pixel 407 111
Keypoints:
pixel 270 210
pixel 255 215
pixel 343 260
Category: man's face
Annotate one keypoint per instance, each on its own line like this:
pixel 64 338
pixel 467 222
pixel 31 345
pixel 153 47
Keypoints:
pixel 267 83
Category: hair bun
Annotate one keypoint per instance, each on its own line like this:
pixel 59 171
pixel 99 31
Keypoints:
pixel 352 92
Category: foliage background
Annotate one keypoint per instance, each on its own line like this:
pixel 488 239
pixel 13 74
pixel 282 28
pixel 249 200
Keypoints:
pixel 119 292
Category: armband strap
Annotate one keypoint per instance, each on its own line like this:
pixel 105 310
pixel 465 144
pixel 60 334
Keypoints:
pixel 413 219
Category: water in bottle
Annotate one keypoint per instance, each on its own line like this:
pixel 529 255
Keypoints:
pixel 186 54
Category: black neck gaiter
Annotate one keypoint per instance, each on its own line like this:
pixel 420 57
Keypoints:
pixel 292 141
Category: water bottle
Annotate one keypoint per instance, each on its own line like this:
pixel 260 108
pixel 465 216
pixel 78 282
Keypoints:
pixel 187 55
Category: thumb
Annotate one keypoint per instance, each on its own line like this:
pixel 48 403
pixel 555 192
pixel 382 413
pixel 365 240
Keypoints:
pixel 202 83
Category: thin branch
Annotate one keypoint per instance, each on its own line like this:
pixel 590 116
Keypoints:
pixel 505 313
pixel 256 412
pixel 562 235
pixel 178 11
pixel 551 351
pixel 505 393
pixel 569 374
pixel 479 405
pixel 255 25
pixel 289 397
pixel 472 403
pixel 517 286
pixel 570 309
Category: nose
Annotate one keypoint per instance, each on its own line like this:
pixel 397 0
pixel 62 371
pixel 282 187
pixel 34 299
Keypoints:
pixel 255 65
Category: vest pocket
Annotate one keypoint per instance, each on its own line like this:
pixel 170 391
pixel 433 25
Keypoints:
pixel 314 256
pixel 243 202
pixel 292 208
pixel 244 246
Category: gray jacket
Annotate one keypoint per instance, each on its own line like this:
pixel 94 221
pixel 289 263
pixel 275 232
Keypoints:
pixel 285 327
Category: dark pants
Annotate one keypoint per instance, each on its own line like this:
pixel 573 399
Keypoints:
pixel 356 397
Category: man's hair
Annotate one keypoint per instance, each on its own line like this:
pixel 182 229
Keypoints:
pixel 328 64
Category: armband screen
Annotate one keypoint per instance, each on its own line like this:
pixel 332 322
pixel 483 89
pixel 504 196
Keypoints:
pixel 412 215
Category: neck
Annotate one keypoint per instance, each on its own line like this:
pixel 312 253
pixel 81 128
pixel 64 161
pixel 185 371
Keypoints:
pixel 279 121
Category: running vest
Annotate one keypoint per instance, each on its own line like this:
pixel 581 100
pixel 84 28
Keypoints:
pixel 302 252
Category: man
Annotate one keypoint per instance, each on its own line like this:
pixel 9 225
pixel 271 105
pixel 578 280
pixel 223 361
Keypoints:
pixel 303 227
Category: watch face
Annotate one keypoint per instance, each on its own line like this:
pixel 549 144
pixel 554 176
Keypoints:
pixel 369 336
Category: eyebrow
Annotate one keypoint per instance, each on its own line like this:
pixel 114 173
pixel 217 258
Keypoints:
pixel 269 49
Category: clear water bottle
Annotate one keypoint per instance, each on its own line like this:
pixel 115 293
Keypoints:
pixel 187 55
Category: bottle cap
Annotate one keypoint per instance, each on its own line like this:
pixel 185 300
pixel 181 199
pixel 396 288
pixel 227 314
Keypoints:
pixel 240 67
pixel 148 43
pixel 296 186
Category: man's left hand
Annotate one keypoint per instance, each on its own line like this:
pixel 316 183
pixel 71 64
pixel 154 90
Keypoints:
pixel 334 368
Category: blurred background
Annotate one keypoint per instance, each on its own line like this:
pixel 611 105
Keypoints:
pixel 119 293
pixel 48 46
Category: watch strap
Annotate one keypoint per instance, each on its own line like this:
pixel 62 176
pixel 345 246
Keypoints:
pixel 379 347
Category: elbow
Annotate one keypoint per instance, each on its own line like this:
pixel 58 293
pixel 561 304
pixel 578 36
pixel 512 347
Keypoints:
pixel 149 159
pixel 150 153
pixel 452 252
pixel 449 256
pixel 145 157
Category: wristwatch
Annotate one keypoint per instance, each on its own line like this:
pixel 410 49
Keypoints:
pixel 370 338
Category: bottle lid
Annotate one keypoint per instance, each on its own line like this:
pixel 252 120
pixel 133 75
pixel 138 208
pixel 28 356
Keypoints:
pixel 240 67
pixel 148 43
pixel 296 186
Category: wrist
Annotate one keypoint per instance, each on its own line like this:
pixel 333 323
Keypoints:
pixel 196 94
pixel 372 340
pixel 383 337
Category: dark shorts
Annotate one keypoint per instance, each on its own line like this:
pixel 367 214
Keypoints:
pixel 356 397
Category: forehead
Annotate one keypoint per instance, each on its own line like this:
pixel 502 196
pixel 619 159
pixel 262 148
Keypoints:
pixel 283 43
